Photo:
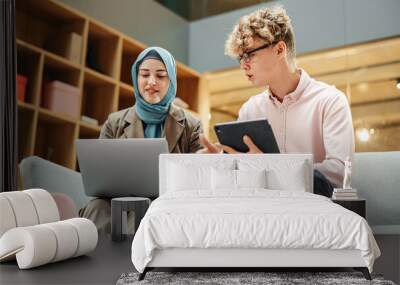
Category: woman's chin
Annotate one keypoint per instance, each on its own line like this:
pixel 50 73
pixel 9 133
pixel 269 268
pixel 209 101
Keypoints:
pixel 152 99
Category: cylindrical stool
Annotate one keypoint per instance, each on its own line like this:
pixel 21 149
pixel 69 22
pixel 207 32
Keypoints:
pixel 119 208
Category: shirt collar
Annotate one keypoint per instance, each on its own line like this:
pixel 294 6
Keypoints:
pixel 295 95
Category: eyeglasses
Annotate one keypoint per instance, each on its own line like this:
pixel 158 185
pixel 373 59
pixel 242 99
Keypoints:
pixel 246 56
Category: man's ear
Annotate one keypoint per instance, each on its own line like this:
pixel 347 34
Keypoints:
pixel 280 49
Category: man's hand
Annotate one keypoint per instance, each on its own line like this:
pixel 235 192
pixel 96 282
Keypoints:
pixel 217 147
pixel 247 140
pixel 208 147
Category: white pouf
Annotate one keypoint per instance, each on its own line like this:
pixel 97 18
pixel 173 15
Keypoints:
pixel 41 244
pixel 31 230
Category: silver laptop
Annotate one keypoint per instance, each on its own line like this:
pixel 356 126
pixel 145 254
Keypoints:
pixel 120 167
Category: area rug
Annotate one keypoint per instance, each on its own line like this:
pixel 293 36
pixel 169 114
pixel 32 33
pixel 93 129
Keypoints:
pixel 243 278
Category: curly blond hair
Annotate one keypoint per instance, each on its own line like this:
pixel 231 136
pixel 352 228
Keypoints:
pixel 269 24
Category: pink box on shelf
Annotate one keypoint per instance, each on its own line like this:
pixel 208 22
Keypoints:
pixel 61 98
pixel 21 87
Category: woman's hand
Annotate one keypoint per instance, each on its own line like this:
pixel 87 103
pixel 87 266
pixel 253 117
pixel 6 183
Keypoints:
pixel 208 147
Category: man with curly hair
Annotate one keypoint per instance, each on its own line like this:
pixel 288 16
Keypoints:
pixel 307 116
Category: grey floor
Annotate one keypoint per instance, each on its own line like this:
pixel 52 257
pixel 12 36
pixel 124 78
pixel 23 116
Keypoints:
pixel 389 262
pixel 102 266
pixel 110 260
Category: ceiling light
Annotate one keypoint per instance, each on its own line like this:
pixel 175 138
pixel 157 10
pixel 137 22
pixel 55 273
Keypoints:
pixel 398 84
pixel 363 87
pixel 363 135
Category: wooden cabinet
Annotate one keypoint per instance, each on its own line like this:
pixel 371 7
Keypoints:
pixel 58 43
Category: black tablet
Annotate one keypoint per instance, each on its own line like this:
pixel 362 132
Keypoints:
pixel 260 131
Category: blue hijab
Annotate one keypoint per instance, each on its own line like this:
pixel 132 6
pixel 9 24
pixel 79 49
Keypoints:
pixel 153 115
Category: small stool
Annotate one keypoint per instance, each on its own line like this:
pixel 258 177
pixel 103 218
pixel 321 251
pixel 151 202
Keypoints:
pixel 119 208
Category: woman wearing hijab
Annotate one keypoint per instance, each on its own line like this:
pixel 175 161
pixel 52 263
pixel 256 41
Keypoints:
pixel 152 116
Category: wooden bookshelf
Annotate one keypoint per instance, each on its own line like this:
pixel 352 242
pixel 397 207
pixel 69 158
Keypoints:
pixel 130 51
pixel 103 50
pixel 58 43
pixel 126 96
pixel 27 118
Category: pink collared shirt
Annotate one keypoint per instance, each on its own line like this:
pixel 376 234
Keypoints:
pixel 315 118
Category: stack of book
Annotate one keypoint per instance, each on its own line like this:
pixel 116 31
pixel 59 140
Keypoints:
pixel 344 194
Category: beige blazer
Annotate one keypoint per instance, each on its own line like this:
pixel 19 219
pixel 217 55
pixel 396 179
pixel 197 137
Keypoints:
pixel 181 129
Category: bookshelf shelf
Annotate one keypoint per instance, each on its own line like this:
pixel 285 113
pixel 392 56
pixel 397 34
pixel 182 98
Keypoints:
pixel 96 77
pixel 55 139
pixel 50 116
pixel 30 65
pixel 99 98
pixel 26 132
pixel 25 106
pixel 102 41
pixel 130 51
pixel 58 70
pixel 126 96
pixel 87 131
